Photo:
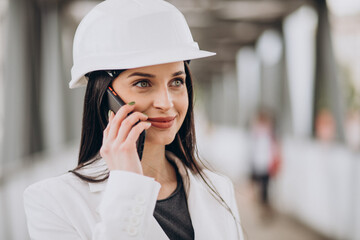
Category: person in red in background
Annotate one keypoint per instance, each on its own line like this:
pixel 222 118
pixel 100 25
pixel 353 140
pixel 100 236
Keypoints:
pixel 325 126
pixel 265 155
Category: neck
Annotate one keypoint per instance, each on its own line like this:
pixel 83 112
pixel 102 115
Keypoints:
pixel 155 164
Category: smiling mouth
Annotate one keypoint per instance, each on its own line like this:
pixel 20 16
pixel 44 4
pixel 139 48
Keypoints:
pixel 162 122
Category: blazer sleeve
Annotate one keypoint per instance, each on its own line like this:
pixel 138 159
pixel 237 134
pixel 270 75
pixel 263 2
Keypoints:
pixel 44 217
pixel 125 210
pixel 127 206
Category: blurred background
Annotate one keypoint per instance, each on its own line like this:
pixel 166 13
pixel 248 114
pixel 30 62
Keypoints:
pixel 277 109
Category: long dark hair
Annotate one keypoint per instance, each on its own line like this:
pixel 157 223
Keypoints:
pixel 95 121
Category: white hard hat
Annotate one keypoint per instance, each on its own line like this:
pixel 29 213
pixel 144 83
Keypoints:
pixel 123 34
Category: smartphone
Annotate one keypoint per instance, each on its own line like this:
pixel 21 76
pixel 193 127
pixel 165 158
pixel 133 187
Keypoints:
pixel 115 103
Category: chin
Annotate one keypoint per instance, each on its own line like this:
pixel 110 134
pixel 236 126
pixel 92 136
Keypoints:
pixel 160 138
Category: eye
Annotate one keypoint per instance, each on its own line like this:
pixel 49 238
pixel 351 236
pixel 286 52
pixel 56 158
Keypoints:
pixel 142 84
pixel 177 82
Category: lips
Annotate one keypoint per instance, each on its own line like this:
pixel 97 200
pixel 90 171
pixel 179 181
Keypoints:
pixel 162 122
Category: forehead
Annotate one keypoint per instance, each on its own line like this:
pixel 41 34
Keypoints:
pixel 160 69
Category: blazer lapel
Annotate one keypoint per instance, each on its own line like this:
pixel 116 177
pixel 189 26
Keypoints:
pixel 205 223
pixel 155 231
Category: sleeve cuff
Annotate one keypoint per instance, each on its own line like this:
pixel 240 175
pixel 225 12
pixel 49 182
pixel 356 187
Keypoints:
pixel 128 196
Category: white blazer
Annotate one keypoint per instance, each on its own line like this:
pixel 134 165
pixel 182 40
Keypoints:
pixel 67 208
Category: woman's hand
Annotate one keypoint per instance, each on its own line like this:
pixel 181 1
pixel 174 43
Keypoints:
pixel 119 140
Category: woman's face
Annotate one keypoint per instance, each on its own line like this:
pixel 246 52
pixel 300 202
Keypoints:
pixel 160 92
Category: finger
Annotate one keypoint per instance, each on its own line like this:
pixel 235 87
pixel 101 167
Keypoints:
pixel 106 130
pixel 136 131
pixel 111 115
pixel 117 120
pixel 128 124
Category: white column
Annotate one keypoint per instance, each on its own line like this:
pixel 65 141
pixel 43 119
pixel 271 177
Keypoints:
pixel 52 104
pixel 299 32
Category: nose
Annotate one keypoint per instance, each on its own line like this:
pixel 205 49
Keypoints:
pixel 163 99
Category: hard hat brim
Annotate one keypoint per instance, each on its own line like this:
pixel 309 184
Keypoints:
pixel 131 60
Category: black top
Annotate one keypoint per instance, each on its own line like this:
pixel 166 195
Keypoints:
pixel 173 215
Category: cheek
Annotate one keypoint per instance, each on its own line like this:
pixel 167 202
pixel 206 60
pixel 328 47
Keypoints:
pixel 183 104
pixel 186 105
pixel 142 102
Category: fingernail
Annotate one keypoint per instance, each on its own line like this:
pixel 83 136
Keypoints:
pixel 145 114
pixel 131 103
pixel 149 124
pixel 109 113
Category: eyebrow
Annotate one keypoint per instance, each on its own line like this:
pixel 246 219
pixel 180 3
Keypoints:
pixel 140 74
pixel 178 73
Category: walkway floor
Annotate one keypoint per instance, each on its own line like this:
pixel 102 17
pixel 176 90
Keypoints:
pixel 262 224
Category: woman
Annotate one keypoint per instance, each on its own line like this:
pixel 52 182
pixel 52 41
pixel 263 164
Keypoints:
pixel 141 48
